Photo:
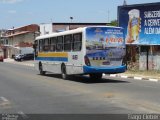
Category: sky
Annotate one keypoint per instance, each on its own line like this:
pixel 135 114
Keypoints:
pixel 17 13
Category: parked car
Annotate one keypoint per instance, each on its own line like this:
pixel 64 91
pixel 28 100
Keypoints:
pixel 1 58
pixel 21 57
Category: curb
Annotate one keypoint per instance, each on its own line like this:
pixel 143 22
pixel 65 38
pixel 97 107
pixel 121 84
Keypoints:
pixel 133 77
pixel 110 75
pixel 20 63
pixel 25 64
pixel 30 65
pixel 8 60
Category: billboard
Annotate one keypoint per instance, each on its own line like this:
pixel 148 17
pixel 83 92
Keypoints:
pixel 141 23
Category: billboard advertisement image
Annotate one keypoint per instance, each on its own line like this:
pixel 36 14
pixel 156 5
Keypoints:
pixel 141 23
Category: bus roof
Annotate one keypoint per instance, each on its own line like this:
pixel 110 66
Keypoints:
pixel 71 31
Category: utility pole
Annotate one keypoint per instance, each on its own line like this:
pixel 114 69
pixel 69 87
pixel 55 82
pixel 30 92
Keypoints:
pixel 71 18
pixel 108 15
pixel 124 3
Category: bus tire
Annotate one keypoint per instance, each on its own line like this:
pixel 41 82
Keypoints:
pixel 96 76
pixel 63 72
pixel 41 69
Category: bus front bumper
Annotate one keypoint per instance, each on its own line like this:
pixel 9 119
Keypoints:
pixel 107 70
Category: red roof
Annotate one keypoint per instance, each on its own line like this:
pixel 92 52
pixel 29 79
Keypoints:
pixel 19 33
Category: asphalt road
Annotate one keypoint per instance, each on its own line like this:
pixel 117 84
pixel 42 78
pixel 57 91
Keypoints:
pixel 23 90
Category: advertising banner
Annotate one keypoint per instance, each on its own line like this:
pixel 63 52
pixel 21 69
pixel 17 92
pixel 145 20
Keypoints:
pixel 105 46
pixel 141 23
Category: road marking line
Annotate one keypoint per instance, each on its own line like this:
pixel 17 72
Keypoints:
pixel 113 75
pixel 4 103
pixel 31 65
pixel 123 76
pixel 23 115
pixel 3 99
pixel 153 80
pixel 138 78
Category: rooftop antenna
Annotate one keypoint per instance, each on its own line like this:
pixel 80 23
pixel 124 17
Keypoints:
pixel 71 18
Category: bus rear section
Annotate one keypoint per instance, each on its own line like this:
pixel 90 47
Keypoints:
pixel 105 51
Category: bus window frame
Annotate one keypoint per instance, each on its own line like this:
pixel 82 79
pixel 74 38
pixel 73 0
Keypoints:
pixel 53 41
pixel 68 42
pixel 59 44
pixel 46 46
pixel 41 45
pixel 75 42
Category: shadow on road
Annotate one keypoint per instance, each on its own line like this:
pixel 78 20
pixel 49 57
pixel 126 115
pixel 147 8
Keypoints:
pixel 86 79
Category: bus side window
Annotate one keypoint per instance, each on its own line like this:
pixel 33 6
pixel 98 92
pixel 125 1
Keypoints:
pixel 40 45
pixel 67 42
pixel 46 46
pixel 59 45
pixel 77 42
pixel 53 44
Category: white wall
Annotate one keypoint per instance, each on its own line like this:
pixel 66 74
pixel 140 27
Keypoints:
pixel 153 61
pixel 45 29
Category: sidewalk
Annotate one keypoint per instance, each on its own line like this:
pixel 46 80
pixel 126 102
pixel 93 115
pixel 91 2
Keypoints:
pixel 8 60
pixel 29 63
pixel 140 75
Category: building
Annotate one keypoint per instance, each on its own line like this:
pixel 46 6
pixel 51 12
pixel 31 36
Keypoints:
pixel 17 38
pixel 23 37
pixel 59 27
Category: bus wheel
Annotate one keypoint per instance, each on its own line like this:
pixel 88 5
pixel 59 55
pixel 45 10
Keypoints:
pixel 63 70
pixel 96 76
pixel 41 70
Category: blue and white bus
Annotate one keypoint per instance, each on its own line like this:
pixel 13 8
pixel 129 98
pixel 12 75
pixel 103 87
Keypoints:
pixel 88 50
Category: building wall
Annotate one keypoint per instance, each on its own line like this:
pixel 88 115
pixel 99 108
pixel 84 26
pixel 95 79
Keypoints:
pixel 23 40
pixel 45 29
pixel 31 28
pixel 63 27
pixel 153 61
pixel 153 57
pixel 26 38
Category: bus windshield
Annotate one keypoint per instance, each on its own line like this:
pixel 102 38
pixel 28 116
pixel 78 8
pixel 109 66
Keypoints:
pixel 105 46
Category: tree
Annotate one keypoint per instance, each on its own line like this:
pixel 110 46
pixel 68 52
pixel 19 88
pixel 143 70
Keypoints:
pixel 114 23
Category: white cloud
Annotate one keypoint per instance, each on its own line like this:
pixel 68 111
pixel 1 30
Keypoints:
pixel 10 1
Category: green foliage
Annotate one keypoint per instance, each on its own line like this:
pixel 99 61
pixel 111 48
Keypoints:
pixel 114 23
